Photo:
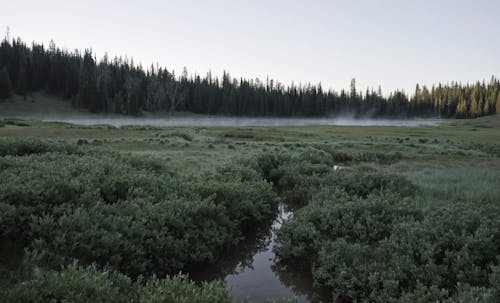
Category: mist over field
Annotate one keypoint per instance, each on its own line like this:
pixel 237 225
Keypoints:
pixel 50 109
pixel 239 121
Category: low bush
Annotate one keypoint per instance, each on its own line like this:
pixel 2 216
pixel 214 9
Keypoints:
pixel 82 142
pixel 135 215
pixel 340 216
pixel 362 183
pixel 16 122
pixel 22 147
pixel 337 156
pixel 134 237
pixel 298 176
pixel 382 158
pixel 88 284
pixel 182 135
pixel 384 249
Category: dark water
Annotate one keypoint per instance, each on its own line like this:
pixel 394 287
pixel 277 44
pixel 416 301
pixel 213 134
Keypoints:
pixel 251 271
pixel 241 121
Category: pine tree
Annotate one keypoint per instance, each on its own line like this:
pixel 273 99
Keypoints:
pixel 121 86
pixel 353 88
pixel 475 105
pixel 88 85
pixel 22 81
pixel 498 104
pixel 486 107
pixel 5 84
pixel 461 111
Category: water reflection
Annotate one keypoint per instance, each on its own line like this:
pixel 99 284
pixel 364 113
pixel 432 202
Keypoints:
pixel 251 272
pixel 240 256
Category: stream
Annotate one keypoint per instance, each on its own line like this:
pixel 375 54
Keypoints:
pixel 250 271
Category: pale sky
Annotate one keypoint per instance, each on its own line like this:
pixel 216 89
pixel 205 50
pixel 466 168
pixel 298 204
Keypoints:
pixel 390 43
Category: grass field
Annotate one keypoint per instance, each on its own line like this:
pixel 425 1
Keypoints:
pixel 456 163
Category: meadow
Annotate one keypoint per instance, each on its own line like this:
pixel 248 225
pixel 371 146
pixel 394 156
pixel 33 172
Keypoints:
pixel 380 214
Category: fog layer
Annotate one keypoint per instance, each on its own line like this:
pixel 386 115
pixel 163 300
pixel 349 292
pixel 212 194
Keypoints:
pixel 239 121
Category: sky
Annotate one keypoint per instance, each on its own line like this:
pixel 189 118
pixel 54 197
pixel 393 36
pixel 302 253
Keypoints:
pixel 394 44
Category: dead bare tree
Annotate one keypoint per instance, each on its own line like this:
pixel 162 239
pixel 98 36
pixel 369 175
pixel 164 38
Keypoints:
pixel 176 97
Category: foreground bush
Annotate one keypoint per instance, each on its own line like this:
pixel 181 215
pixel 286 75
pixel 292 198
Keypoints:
pixel 384 249
pixel 340 217
pixel 133 215
pixel 88 284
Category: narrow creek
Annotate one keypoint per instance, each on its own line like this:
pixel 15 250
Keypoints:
pixel 250 272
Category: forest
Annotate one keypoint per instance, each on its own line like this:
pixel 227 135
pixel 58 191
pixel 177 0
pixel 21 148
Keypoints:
pixel 118 85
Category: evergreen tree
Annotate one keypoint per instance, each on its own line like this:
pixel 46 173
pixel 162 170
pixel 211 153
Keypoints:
pixel 121 86
pixel 88 85
pixel 353 88
pixel 498 104
pixel 461 111
pixel 5 84
pixel 22 80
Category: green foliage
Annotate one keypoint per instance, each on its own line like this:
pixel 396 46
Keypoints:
pixel 384 249
pixel 340 157
pixel 15 122
pixel 119 86
pixel 361 183
pixel 340 216
pixel 182 135
pixel 301 174
pixel 132 214
pixel 88 284
pixel 29 146
pixel 382 158
pixel 5 84
pixel 364 232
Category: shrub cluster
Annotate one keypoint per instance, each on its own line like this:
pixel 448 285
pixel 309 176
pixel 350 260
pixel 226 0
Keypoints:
pixel 384 249
pixel 88 284
pixel 134 215
pixel 22 147
pixel 382 158
pixel 364 239
pixel 298 176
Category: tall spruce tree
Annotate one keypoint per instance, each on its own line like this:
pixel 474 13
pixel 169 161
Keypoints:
pixel 88 83
pixel 22 80
pixel 5 84
pixel 498 104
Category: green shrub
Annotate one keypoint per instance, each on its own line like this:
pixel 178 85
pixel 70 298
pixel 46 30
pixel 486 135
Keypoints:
pixel 132 214
pixel 88 284
pixel 362 183
pixel 22 147
pixel 134 237
pixel 182 135
pixel 298 176
pixel 382 158
pixel 337 156
pixel 16 122
pixel 383 249
pixel 340 216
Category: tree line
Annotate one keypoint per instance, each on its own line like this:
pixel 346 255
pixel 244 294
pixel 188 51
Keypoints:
pixel 119 86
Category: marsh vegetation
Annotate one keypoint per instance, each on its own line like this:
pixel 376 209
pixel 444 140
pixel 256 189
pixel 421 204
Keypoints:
pixel 137 213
